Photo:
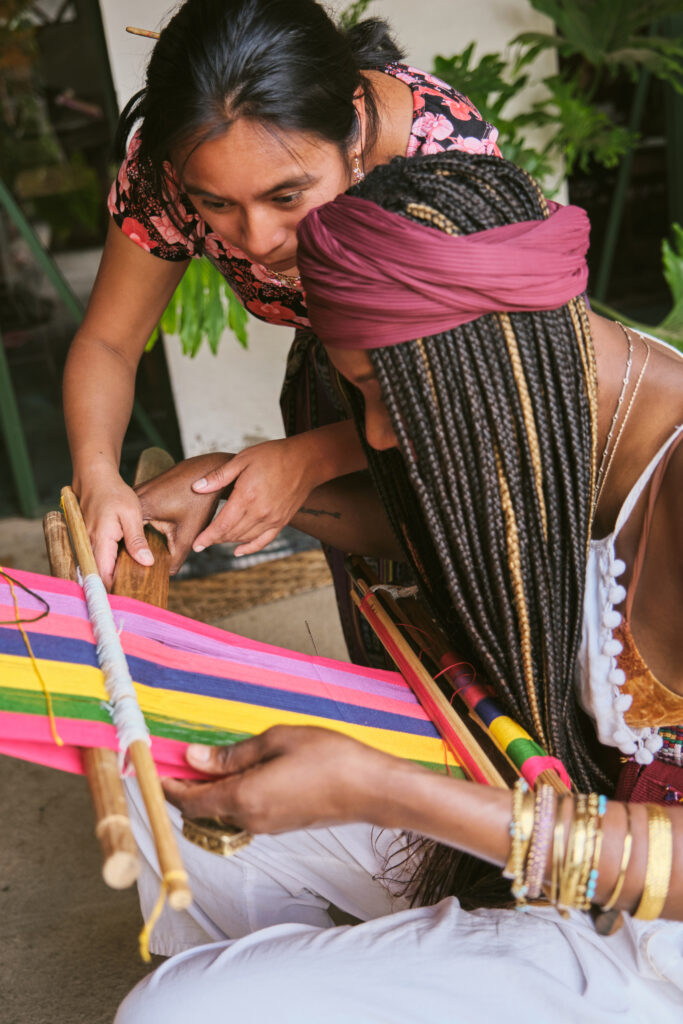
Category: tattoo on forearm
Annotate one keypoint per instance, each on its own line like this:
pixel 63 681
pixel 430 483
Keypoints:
pixel 319 512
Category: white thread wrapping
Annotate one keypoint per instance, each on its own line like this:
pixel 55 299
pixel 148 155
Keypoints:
pixel 125 710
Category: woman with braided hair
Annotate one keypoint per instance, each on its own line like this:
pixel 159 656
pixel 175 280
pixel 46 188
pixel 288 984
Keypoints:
pixel 525 456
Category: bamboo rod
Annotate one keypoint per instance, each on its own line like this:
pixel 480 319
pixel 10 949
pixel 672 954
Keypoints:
pixel 120 858
pixel 476 762
pixel 170 863
pixel 416 613
pixel 434 645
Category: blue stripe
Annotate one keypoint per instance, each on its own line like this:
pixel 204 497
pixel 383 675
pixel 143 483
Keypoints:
pixel 160 677
pixel 487 710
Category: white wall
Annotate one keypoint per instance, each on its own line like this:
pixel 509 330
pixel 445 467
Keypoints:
pixel 228 401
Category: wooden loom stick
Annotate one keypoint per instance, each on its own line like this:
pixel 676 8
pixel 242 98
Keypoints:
pixel 474 761
pixel 427 640
pixel 148 584
pixel 170 863
pixel 120 858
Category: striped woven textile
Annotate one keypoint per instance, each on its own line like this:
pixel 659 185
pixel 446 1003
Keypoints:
pixel 195 683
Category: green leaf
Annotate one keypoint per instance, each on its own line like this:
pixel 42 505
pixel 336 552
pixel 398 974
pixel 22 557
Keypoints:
pixel 237 318
pixel 201 308
pixel 352 14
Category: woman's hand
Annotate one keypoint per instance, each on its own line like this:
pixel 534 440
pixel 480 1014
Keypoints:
pixel 112 513
pixel 170 505
pixel 289 777
pixel 271 482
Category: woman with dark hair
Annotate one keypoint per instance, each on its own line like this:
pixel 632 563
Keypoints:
pixel 253 112
pixel 527 461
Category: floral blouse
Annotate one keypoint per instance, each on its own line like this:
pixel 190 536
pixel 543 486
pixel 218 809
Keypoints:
pixel 442 119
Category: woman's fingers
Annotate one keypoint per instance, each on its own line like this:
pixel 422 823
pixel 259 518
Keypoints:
pixel 134 538
pixel 227 527
pixel 219 478
pixel 228 760
pixel 257 544
pixel 105 549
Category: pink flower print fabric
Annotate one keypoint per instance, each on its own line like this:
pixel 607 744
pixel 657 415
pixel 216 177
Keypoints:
pixel 443 119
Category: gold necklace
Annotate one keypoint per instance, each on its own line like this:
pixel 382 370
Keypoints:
pixel 604 469
pixel 289 280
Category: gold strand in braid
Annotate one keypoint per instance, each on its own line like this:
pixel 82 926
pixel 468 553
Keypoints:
pixel 514 566
pixel 527 413
pixel 425 359
pixel 579 316
pixel 422 212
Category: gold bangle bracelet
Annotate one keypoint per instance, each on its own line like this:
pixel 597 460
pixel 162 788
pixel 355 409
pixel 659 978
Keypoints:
pixel 574 856
pixel 592 830
pixel 558 851
pixel 659 863
pixel 623 867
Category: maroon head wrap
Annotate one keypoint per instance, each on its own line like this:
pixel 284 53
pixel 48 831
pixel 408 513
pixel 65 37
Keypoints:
pixel 374 278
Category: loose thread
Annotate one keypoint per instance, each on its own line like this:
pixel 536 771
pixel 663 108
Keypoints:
pixel 148 927
pixel 19 622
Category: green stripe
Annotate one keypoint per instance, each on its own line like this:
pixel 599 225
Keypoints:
pixel 519 750
pixel 90 709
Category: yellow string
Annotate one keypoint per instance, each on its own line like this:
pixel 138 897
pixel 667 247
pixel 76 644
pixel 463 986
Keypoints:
pixel 48 699
pixel 148 927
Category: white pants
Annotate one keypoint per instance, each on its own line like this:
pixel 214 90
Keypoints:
pixel 285 961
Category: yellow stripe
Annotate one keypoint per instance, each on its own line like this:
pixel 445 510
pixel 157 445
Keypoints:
pixel 504 730
pixel 210 712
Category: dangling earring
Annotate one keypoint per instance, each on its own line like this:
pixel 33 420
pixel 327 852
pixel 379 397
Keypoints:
pixel 357 172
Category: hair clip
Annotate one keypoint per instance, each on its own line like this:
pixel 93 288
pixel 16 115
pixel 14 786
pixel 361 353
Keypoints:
pixel 147 33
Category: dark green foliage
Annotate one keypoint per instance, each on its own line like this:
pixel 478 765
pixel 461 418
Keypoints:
pixel 611 35
pixel 597 38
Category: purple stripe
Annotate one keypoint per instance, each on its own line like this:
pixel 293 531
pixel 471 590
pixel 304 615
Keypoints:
pixel 179 638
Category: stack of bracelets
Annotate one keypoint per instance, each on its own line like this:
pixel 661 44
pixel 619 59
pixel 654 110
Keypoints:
pixel 539 833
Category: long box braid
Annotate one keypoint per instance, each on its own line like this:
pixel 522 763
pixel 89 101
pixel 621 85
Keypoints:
pixel 492 494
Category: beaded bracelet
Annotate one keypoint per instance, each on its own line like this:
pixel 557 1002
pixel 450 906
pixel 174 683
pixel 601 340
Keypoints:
pixel 541 837
pixel 521 827
pixel 592 881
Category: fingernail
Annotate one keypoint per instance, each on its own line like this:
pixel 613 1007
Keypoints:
pixel 146 557
pixel 198 753
pixel 199 485
pixel 198 547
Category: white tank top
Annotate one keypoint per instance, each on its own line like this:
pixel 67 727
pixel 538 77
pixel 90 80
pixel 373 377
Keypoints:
pixel 599 680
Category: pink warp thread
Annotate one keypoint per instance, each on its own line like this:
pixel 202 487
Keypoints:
pixel 373 278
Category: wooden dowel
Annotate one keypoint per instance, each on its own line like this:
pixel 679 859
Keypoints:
pixel 59 553
pixel 433 644
pixel 121 861
pixel 170 863
pixel 120 858
pixel 372 608
pixel 131 579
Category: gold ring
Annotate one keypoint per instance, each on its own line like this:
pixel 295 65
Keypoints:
pixel 215 836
